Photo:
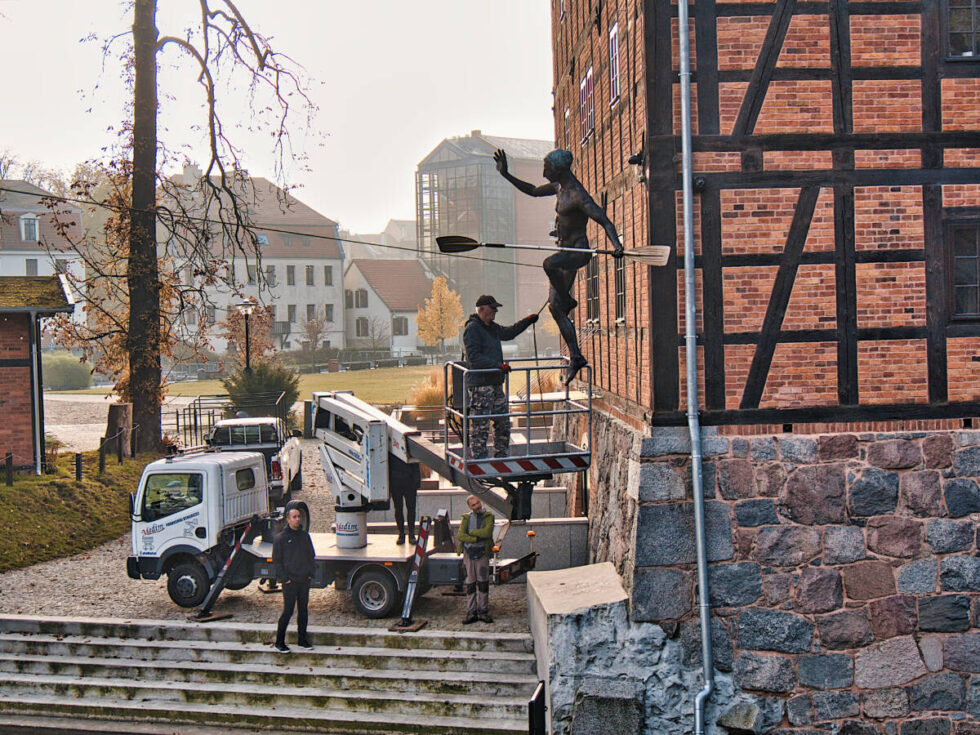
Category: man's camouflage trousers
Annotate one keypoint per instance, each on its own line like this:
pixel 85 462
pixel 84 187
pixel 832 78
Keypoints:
pixel 489 399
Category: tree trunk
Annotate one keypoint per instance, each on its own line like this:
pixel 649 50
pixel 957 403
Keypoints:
pixel 143 341
pixel 120 425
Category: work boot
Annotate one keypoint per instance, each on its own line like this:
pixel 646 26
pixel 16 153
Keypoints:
pixel 470 618
pixel 401 539
pixel 485 617
pixel 412 540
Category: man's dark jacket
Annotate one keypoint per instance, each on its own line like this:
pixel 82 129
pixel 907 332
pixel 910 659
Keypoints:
pixel 483 349
pixel 292 552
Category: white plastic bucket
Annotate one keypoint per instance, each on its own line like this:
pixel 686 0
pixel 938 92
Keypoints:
pixel 351 529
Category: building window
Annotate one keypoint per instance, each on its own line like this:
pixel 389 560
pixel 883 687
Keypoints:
pixel 28 228
pixel 309 276
pixel 272 312
pixel 586 107
pixel 349 299
pixel 210 315
pixel 250 269
pixel 360 299
pixel 399 326
pixel 361 326
pixel 310 312
pixel 592 290
pixel 291 313
pixel 262 239
pixel 963 24
pixel 620 278
pixel 31 269
pixel 270 275
pixel 305 241
pixel 965 270
pixel 567 140
pixel 287 241
pixel 328 312
pixel 328 275
pixel 290 275
pixel 613 64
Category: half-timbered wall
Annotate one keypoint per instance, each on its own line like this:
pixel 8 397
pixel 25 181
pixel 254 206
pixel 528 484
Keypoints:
pixel 835 163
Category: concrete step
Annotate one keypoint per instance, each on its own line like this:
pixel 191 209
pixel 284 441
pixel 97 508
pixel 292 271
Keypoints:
pixel 263 653
pixel 419 704
pixel 119 716
pixel 230 632
pixel 83 676
pixel 476 684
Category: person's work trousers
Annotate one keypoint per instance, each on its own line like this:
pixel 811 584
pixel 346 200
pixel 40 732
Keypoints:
pixel 477 585
pixel 294 595
pixel 398 494
pixel 489 399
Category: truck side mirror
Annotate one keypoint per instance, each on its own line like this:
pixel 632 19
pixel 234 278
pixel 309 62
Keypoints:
pixel 132 504
pixel 297 433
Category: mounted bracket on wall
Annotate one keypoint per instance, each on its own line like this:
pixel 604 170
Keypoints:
pixel 640 159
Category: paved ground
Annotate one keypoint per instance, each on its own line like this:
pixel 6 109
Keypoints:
pixel 95 583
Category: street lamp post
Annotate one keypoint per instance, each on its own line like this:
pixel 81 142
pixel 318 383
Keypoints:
pixel 246 310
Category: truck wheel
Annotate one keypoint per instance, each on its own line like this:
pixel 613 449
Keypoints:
pixel 237 584
pixel 375 594
pixel 296 484
pixel 188 584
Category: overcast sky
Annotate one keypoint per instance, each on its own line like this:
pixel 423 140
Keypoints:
pixel 392 79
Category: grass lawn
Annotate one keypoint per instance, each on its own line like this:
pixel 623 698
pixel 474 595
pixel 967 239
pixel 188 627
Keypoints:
pixel 52 516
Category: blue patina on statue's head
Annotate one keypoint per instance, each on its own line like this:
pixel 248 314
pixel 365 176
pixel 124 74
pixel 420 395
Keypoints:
pixel 559 159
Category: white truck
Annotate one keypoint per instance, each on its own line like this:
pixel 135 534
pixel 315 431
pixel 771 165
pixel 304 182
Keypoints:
pixel 268 436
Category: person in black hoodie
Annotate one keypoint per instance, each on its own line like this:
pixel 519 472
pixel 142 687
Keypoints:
pixel 292 554
pixel 482 342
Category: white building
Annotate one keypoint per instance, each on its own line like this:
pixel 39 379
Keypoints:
pixel 382 299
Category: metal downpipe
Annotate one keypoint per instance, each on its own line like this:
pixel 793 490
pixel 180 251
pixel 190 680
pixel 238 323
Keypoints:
pixel 690 345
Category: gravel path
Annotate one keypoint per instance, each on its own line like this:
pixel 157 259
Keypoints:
pixel 94 583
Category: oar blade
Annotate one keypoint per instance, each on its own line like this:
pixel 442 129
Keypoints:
pixel 456 243
pixel 655 255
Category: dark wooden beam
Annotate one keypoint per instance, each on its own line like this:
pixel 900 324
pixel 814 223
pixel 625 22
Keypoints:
pixel 862 177
pixel 825 414
pixel 706 43
pixel 713 300
pixel 820 257
pixel 825 141
pixel 779 299
pixel 755 95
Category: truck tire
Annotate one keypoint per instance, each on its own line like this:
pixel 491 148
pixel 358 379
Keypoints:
pixel 375 594
pixel 237 584
pixel 296 484
pixel 188 584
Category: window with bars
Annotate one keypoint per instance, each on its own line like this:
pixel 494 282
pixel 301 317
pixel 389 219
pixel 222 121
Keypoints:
pixel 28 228
pixel 614 64
pixel 586 105
pixel 592 290
pixel 963 29
pixel 964 280
pixel 620 283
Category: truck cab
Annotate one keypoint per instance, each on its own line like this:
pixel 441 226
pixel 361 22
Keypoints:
pixel 186 512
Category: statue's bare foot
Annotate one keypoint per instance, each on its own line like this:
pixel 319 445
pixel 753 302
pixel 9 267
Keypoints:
pixel 577 364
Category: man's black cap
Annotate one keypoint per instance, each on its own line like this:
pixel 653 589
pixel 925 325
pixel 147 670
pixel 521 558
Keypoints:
pixel 488 300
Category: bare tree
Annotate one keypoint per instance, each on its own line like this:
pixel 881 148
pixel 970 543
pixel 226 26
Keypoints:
pixel 314 332
pixel 379 336
pixel 205 223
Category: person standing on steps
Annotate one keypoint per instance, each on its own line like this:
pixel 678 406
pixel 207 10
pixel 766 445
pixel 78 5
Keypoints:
pixel 482 343
pixel 473 541
pixel 574 208
pixel 404 480
pixel 293 555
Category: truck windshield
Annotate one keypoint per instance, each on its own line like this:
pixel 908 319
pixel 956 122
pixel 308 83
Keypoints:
pixel 169 493
pixel 227 436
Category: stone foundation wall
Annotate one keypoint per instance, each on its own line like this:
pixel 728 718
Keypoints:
pixel 844 571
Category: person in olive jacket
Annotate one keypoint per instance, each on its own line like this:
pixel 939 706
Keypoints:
pixel 482 342
pixel 473 541
pixel 293 555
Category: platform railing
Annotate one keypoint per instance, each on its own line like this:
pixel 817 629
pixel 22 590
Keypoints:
pixel 457 379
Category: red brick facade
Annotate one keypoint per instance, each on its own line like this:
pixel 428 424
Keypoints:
pixel 854 113
pixel 15 389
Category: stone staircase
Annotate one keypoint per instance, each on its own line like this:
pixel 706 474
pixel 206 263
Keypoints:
pixel 60 675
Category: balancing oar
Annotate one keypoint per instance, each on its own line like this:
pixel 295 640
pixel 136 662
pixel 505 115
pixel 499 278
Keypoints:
pixel 649 255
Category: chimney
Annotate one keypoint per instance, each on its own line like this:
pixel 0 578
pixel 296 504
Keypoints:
pixel 476 133
pixel 192 174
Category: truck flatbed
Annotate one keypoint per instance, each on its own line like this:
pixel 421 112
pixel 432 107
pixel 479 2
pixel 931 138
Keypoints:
pixel 380 548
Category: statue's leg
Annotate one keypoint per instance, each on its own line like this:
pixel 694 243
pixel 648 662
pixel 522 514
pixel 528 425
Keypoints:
pixel 561 280
pixel 567 330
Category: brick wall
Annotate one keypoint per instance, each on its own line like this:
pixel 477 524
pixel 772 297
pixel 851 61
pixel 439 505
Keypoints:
pixel 15 389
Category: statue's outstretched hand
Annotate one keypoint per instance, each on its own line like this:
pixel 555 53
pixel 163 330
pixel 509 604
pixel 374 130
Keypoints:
pixel 501 160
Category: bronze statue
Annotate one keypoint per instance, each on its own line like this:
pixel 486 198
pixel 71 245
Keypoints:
pixel 573 210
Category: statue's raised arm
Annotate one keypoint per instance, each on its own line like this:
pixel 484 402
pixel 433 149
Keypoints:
pixel 573 209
